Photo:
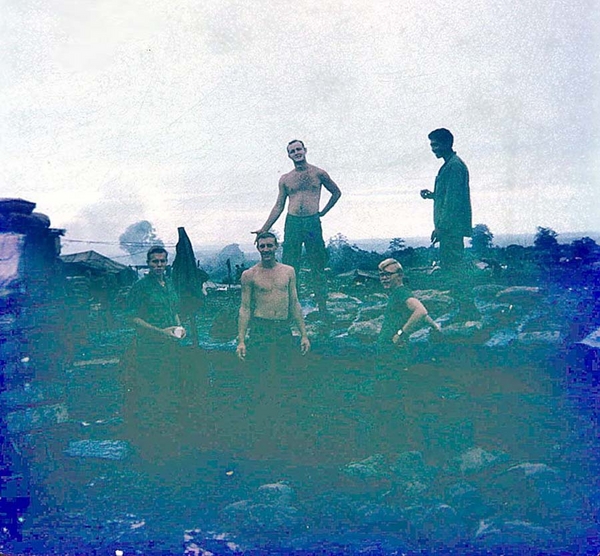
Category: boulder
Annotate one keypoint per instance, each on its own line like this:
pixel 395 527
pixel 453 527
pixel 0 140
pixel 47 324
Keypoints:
pixel 437 302
pixel 276 493
pixel 371 312
pixel 503 533
pixel 487 292
pixel 366 330
pixel 103 449
pixel 373 467
pixel 477 459
pixel 258 518
pixel 542 338
pixel 520 295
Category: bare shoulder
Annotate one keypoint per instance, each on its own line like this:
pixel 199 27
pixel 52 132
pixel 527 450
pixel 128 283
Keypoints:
pixel 286 269
pixel 248 275
pixel 319 172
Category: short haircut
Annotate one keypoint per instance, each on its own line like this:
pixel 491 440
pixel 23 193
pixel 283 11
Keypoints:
pixel 265 235
pixel 397 267
pixel 443 136
pixel 295 141
pixel 155 249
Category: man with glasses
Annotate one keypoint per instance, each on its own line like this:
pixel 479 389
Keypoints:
pixel 404 314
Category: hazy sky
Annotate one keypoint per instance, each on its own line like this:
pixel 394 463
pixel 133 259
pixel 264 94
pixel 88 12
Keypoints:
pixel 179 111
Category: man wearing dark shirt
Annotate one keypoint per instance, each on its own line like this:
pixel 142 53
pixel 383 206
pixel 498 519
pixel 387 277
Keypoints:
pixel 158 379
pixel 451 201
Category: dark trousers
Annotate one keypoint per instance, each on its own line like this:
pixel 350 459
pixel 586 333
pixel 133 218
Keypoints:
pixel 307 231
pixel 452 251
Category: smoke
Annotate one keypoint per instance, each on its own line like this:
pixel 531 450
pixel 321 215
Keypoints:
pixel 137 239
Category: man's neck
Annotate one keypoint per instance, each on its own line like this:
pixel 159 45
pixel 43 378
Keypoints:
pixel 448 155
pixel 269 264
pixel 300 166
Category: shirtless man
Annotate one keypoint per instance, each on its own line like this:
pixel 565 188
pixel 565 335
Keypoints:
pixel 303 222
pixel 269 299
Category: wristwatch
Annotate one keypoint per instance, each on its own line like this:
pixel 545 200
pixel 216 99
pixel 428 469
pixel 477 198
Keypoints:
pixel 400 332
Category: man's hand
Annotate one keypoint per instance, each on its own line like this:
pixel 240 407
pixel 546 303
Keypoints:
pixel 174 331
pixel 399 340
pixel 240 351
pixel 434 237
pixel 304 345
pixel 426 194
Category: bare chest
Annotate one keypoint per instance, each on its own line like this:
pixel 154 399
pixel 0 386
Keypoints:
pixel 300 182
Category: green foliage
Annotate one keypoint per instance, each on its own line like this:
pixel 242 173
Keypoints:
pixel 481 239
pixel 585 249
pixel 545 239
pixel 344 257
pixel 396 244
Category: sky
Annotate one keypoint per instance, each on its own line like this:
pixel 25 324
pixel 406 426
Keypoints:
pixel 179 112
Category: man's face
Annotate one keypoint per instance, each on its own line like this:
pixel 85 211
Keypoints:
pixel 297 152
pixel 390 278
pixel 157 263
pixel 267 247
pixel 438 149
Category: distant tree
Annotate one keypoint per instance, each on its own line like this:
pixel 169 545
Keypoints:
pixel 396 244
pixel 137 239
pixel 344 257
pixel 481 239
pixel 545 239
pixel 585 248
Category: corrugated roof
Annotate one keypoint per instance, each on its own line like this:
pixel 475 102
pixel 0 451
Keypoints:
pixel 95 261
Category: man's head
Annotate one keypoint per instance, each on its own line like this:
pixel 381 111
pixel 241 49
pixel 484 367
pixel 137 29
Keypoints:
pixel 441 141
pixel 156 258
pixel 267 245
pixel 296 150
pixel 390 273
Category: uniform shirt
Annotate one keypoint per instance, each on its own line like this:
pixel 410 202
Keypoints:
pixel 452 199
pixel 153 303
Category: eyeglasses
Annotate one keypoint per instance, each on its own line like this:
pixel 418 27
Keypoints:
pixel 385 273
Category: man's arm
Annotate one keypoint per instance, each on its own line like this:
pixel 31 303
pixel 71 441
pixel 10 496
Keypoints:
pixel 168 331
pixel 276 210
pixel 296 311
pixel 332 187
pixel 418 313
pixel 244 315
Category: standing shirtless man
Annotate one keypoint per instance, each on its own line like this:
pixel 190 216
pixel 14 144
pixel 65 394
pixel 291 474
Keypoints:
pixel 269 299
pixel 303 222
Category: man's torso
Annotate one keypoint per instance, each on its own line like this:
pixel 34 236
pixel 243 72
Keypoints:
pixel 303 188
pixel 156 304
pixel 270 291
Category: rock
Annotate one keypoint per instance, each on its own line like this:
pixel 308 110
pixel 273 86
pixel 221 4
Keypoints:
pixel 476 460
pixel 342 297
pixel 32 393
pixel 410 465
pixel 366 330
pixel 199 543
pixel 276 493
pixel 503 533
pixel 35 418
pixel 520 295
pixel 487 291
pixel 257 518
pixel 382 516
pixel 370 313
pixel 437 302
pixel 462 331
pixel 443 525
pixel 544 338
pixel 373 467
pixel 103 449
pixel 467 500
pixel 502 338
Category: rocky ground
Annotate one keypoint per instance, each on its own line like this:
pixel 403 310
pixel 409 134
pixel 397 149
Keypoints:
pixel 491 451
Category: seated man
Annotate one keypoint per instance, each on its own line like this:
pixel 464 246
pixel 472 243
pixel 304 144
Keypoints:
pixel 404 313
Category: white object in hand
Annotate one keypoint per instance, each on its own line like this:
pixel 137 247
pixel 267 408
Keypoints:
pixel 179 332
